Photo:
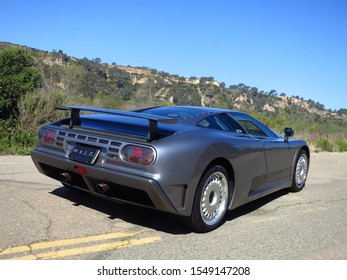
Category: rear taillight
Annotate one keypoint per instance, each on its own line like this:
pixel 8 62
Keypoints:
pixel 138 154
pixel 47 136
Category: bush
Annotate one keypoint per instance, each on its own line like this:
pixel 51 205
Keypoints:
pixel 323 144
pixel 36 110
pixel 20 143
pixel 18 75
pixel 328 142
pixel 341 145
pixel 19 135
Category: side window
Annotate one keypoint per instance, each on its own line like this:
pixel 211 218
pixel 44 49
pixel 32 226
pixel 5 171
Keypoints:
pixel 222 122
pixel 213 122
pixel 232 123
pixel 252 128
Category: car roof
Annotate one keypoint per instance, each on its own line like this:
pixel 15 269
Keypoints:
pixel 187 117
pixel 183 113
pixel 192 115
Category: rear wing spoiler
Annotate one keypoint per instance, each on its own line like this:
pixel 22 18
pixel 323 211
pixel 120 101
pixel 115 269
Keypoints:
pixel 152 120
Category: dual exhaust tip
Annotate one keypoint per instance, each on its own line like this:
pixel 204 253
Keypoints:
pixel 65 177
pixel 102 187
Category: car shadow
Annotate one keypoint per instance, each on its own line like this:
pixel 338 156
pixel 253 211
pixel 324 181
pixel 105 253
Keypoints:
pixel 133 214
pixel 254 205
pixel 150 218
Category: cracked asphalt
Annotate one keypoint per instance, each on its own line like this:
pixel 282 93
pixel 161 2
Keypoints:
pixel 41 219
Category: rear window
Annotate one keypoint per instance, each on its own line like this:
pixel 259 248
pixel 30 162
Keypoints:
pixel 174 112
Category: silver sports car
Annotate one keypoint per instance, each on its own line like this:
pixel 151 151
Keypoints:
pixel 194 162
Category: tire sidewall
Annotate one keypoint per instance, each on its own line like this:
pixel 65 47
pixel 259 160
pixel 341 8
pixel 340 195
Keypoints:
pixel 196 220
pixel 294 187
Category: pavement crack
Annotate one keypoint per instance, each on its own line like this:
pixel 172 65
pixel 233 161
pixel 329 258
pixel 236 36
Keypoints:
pixel 266 211
pixel 49 221
pixel 32 252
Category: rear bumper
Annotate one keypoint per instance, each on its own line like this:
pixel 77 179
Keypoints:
pixel 123 187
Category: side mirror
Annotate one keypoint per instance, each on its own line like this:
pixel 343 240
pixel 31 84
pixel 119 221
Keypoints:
pixel 288 132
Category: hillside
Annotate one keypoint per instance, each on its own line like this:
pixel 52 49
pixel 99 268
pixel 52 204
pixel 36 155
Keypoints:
pixel 71 80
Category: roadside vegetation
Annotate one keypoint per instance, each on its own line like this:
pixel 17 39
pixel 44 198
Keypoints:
pixel 33 82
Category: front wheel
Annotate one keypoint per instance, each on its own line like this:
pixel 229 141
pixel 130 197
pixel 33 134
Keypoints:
pixel 300 172
pixel 211 200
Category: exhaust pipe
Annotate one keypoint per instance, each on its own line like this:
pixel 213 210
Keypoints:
pixel 102 187
pixel 65 177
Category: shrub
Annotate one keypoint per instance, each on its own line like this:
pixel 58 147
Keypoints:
pixel 17 143
pixel 341 145
pixel 324 144
pixel 36 110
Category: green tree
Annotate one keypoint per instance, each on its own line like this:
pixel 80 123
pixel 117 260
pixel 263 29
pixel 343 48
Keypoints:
pixel 18 75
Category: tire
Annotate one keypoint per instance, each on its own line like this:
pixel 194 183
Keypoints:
pixel 211 200
pixel 300 172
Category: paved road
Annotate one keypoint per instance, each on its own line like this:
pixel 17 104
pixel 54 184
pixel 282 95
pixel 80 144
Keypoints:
pixel 39 219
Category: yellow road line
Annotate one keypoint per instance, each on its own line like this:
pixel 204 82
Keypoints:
pixel 65 242
pixel 88 249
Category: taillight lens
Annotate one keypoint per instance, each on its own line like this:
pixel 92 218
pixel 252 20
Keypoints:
pixel 138 154
pixel 47 136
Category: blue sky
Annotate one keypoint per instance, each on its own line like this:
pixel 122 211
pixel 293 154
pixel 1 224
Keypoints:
pixel 298 47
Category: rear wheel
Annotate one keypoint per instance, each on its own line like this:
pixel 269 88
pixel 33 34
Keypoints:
pixel 211 200
pixel 300 172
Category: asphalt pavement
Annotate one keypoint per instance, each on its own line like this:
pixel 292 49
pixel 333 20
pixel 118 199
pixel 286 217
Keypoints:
pixel 40 219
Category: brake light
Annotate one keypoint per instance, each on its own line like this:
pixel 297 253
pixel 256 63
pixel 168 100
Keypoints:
pixel 47 136
pixel 138 154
